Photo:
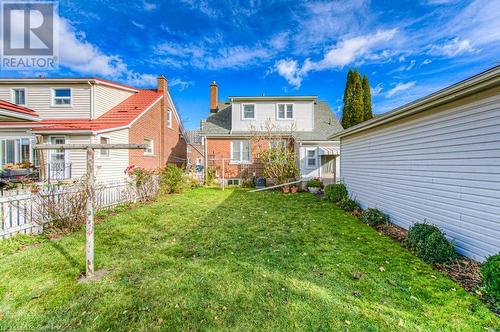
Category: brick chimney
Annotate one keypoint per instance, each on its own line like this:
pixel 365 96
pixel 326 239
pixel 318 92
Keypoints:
pixel 214 97
pixel 162 83
pixel 163 89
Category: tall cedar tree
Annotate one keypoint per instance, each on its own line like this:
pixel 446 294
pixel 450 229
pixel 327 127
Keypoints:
pixel 367 99
pixel 357 100
pixel 348 93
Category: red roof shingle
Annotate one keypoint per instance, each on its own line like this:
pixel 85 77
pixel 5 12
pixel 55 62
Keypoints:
pixel 119 116
pixel 16 108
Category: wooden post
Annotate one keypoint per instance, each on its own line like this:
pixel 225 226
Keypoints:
pixel 89 226
pixel 223 175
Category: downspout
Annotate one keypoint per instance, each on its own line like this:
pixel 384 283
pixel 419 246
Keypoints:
pixel 92 100
pixel 205 148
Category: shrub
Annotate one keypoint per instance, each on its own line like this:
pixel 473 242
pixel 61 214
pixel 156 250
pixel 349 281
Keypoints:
pixel 348 204
pixel 314 183
pixel 429 243
pixel 173 180
pixel 374 217
pixel 248 183
pixel 335 192
pixel 490 273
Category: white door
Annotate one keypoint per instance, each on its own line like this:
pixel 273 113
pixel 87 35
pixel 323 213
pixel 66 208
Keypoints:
pixel 57 167
pixel 328 169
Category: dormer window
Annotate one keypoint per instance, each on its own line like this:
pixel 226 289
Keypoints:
pixel 285 111
pixel 19 96
pixel 61 97
pixel 248 111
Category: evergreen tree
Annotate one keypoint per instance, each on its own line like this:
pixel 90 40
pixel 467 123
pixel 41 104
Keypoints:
pixel 348 93
pixel 367 99
pixel 357 100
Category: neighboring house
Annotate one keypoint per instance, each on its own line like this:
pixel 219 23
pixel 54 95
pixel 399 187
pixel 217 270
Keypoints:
pixel 229 129
pixel 194 151
pixel 435 160
pixel 88 110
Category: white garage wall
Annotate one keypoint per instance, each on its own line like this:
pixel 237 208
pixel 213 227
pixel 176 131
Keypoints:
pixel 442 166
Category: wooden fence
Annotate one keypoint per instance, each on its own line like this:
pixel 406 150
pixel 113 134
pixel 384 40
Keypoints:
pixel 21 213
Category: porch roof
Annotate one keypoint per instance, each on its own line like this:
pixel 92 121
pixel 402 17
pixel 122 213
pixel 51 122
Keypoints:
pixel 17 112
pixel 328 151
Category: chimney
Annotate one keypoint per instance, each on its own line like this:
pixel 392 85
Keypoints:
pixel 163 89
pixel 162 83
pixel 214 97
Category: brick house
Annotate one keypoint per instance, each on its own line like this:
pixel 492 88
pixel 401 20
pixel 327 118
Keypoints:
pixel 302 122
pixel 88 110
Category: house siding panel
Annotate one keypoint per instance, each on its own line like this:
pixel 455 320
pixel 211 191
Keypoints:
pixel 441 166
pixel 265 111
pixel 107 97
pixel 112 168
pixel 39 99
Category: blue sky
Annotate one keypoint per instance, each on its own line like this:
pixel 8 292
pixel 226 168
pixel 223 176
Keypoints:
pixel 408 49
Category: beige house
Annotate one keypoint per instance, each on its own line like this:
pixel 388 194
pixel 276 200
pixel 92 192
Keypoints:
pixel 82 111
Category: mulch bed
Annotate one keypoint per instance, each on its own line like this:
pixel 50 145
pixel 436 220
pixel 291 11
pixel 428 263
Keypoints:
pixel 462 270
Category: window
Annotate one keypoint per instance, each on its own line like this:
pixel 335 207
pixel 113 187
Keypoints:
pixel 311 158
pixel 233 182
pixel 15 150
pixel 248 111
pixel 189 149
pixel 240 151
pixel 281 144
pixel 61 97
pixel 104 140
pixel 285 111
pixel 169 119
pixel 19 96
pixel 149 147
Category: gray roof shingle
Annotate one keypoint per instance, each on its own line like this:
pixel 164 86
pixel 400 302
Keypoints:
pixel 325 123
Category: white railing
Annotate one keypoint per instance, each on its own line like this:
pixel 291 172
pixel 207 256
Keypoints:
pixel 18 213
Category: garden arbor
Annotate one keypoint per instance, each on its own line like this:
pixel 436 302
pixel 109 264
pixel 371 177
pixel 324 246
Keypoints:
pixel 90 188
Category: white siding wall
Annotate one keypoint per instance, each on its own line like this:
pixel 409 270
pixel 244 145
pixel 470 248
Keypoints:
pixel 441 166
pixel 39 98
pixel 111 169
pixel 264 110
pixel 107 97
pixel 309 173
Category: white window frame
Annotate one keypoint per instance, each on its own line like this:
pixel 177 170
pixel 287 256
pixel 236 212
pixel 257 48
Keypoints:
pixel 17 149
pixel 281 141
pixel 146 152
pixel 66 154
pixel 169 119
pixel 243 111
pixel 105 153
pixel 286 113
pixel 240 160
pixel 13 96
pixel 315 158
pixel 53 97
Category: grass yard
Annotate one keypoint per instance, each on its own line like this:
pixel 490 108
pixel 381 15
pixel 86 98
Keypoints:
pixel 233 260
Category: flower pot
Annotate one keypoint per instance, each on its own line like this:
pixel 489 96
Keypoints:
pixel 286 189
pixel 294 189
pixel 313 190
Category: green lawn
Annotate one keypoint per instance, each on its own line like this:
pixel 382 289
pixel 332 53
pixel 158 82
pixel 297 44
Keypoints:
pixel 233 260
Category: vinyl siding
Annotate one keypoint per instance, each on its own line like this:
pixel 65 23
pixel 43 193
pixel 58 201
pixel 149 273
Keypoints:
pixel 303 116
pixel 111 169
pixel 39 98
pixel 309 173
pixel 107 97
pixel 441 166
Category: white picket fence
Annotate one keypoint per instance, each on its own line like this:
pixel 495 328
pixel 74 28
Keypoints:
pixel 18 212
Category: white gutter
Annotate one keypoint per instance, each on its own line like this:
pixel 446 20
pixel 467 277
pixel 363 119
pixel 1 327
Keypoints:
pixel 13 114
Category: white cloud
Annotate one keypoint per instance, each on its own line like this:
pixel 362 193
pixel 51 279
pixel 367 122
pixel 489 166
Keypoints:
pixel 452 48
pixel 399 88
pixel 149 6
pixel 289 69
pixel 375 91
pixel 426 61
pixel 141 80
pixel 139 25
pixel 345 52
pixel 408 67
pixel 180 84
